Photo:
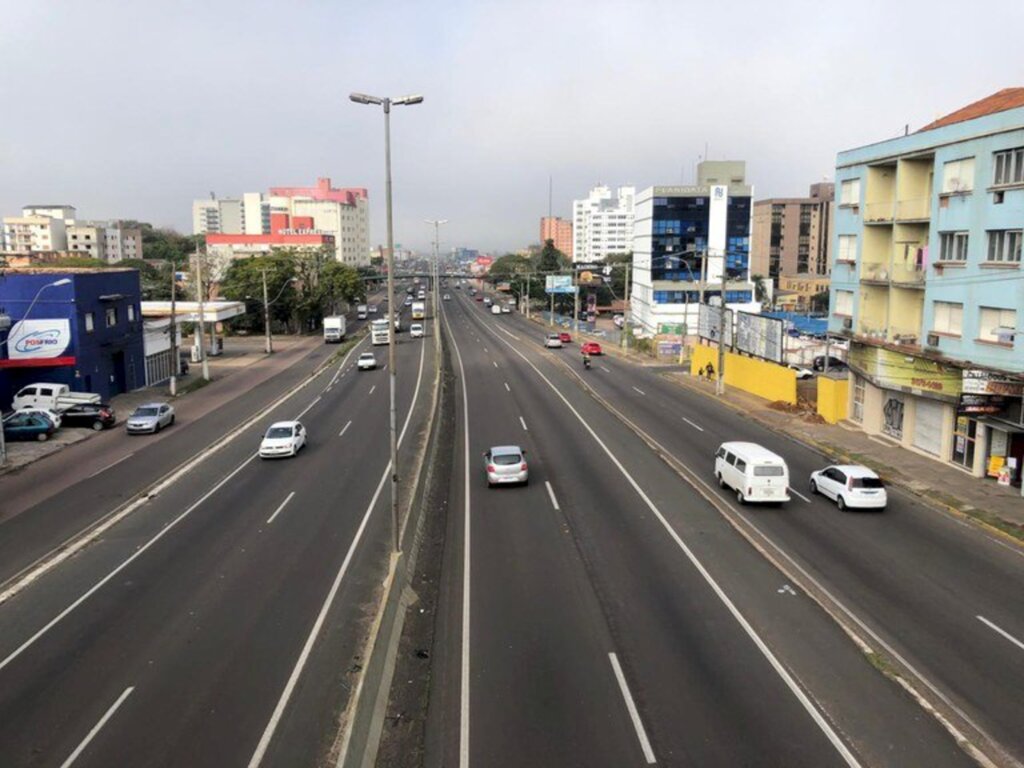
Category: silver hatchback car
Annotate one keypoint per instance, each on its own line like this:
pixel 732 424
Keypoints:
pixel 506 464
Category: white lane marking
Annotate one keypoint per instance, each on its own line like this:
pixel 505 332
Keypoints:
pixel 385 367
pixel 305 410
pixel 96 728
pixel 507 387
pixel 344 360
pixel 604 369
pixel 373 388
pixel 508 333
pixel 278 510
pixel 329 388
pixel 343 429
pixel 300 664
pixel 494 362
pixel 485 349
pixel 111 464
pixel 796 492
pixel 521 421
pixel 1001 631
pixel 695 426
pixel 640 391
pixel 551 493
pixel 780 670
pixel 136 554
pixel 634 715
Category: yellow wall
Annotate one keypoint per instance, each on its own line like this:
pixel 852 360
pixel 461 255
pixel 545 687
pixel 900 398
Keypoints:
pixel 832 398
pixel 758 377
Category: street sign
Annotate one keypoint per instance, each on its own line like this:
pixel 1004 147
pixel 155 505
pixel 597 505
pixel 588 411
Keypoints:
pixel 559 284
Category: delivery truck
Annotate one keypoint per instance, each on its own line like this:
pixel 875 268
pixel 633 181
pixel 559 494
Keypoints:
pixel 334 329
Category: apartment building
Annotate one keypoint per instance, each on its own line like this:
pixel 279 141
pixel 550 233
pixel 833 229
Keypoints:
pixel 109 241
pixel 685 239
pixel 792 235
pixel 926 284
pixel 558 230
pixel 603 223
pixel 34 232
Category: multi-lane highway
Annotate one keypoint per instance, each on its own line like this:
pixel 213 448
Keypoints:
pixel 608 614
pixel 221 623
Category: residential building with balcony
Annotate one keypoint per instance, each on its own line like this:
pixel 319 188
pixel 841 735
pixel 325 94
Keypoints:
pixel 559 231
pixel 32 233
pixel 792 235
pixel 927 285
pixel 684 239
pixel 603 223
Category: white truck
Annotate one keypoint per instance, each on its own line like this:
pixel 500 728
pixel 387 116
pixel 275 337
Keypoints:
pixel 334 329
pixel 361 311
pixel 52 397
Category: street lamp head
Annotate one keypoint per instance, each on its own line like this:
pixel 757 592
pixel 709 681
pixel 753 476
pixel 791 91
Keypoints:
pixel 415 99
pixel 62 281
pixel 362 98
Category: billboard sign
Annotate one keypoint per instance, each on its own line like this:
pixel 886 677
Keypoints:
pixel 759 336
pixel 708 323
pixel 39 339
pixel 559 284
pixel 977 382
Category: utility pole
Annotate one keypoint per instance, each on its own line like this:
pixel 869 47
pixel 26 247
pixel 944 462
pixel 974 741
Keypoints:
pixel 575 303
pixel 175 355
pixel 202 315
pixel 720 381
pixel 625 308
pixel 266 313
pixel 436 274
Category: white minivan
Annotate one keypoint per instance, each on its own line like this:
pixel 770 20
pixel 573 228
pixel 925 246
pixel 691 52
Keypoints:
pixel 754 472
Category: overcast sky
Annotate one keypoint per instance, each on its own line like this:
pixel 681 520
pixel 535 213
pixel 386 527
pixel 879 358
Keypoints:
pixel 133 109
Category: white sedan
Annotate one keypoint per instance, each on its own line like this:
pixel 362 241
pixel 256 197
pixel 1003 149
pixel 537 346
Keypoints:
pixel 284 438
pixel 366 361
pixel 416 331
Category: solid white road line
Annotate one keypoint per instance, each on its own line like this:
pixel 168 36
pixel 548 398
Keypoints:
pixel 1001 631
pixel 641 734
pixel 495 363
pixel 521 421
pixel 797 493
pixel 507 387
pixel 278 510
pixel 373 388
pixel 305 410
pixel 343 429
pixel 307 648
pixel 508 333
pixel 111 464
pixel 551 493
pixel 751 633
pixel 344 360
pixel 695 426
pixel 640 391
pixel 96 728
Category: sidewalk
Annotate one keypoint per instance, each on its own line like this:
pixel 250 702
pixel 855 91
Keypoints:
pixel 998 506
pixel 239 354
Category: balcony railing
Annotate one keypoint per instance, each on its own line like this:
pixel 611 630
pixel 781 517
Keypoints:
pixel 916 208
pixel 879 211
pixel 878 273
pixel 912 275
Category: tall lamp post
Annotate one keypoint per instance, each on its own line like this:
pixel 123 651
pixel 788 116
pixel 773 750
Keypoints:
pixel 386 103
pixel 269 346
pixel 436 274
pixel 54 284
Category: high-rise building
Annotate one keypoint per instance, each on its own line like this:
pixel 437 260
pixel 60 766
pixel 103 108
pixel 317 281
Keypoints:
pixel 926 286
pixel 685 238
pixel 791 235
pixel 602 223
pixel 558 230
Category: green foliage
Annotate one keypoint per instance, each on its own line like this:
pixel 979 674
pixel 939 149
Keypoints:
pixel 155 280
pixel 819 302
pixel 243 281
pixel 760 291
pixel 550 259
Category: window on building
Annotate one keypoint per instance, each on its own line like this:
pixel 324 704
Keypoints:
pixel 131 313
pixel 958 176
pixel 997 324
pixel 948 318
pixel 90 322
pixel 858 399
pixel 1004 246
pixel 849 192
pixel 844 304
pixel 111 314
pixel 952 246
pixel 1008 166
pixel 848 248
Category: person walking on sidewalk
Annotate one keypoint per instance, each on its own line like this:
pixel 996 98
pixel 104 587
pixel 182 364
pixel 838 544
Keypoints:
pixel 711 371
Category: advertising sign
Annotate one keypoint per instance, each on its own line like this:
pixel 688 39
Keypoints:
pixel 894 370
pixel 759 336
pixel 708 320
pixel 987 383
pixel 559 284
pixel 504 287
pixel 39 339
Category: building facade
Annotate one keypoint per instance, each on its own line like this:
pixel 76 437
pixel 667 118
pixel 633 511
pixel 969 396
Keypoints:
pixel 603 223
pixel 797 293
pixel 686 238
pixel 559 231
pixel 792 235
pixel 926 285
pixel 34 234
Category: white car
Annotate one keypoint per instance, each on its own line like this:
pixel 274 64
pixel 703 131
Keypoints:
pixel 553 341
pixel 416 331
pixel 506 309
pixel 284 438
pixel 51 415
pixel 506 464
pixel 447 297
pixel 366 362
pixel 372 309
pixel 801 372
pixel 851 486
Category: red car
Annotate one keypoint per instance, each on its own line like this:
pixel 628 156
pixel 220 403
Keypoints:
pixel 479 298
pixel 590 348
pixel 565 338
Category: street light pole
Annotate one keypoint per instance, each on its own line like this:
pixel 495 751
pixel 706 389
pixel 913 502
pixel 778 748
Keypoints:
pixel 266 314
pixel 175 355
pixel 202 313
pixel 436 274
pixel 362 98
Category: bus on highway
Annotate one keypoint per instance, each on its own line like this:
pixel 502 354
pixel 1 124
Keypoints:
pixel 379 332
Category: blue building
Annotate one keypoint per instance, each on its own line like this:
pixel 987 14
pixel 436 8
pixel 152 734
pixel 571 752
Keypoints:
pixel 683 239
pixel 927 285
pixel 77 327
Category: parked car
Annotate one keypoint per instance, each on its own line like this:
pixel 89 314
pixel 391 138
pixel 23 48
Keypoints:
pixel 553 341
pixel 284 438
pixel 833 363
pixel 23 425
pixel 96 415
pixel 53 416
pixel 565 337
pixel 151 417
pixel 851 486
pixel 52 397
pixel 505 464
pixel 416 331
pixel 801 372
pixel 754 472
pixel 506 309
pixel 366 362
pixel 591 348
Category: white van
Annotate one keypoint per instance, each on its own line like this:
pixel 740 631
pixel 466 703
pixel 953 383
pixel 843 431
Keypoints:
pixel 754 472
